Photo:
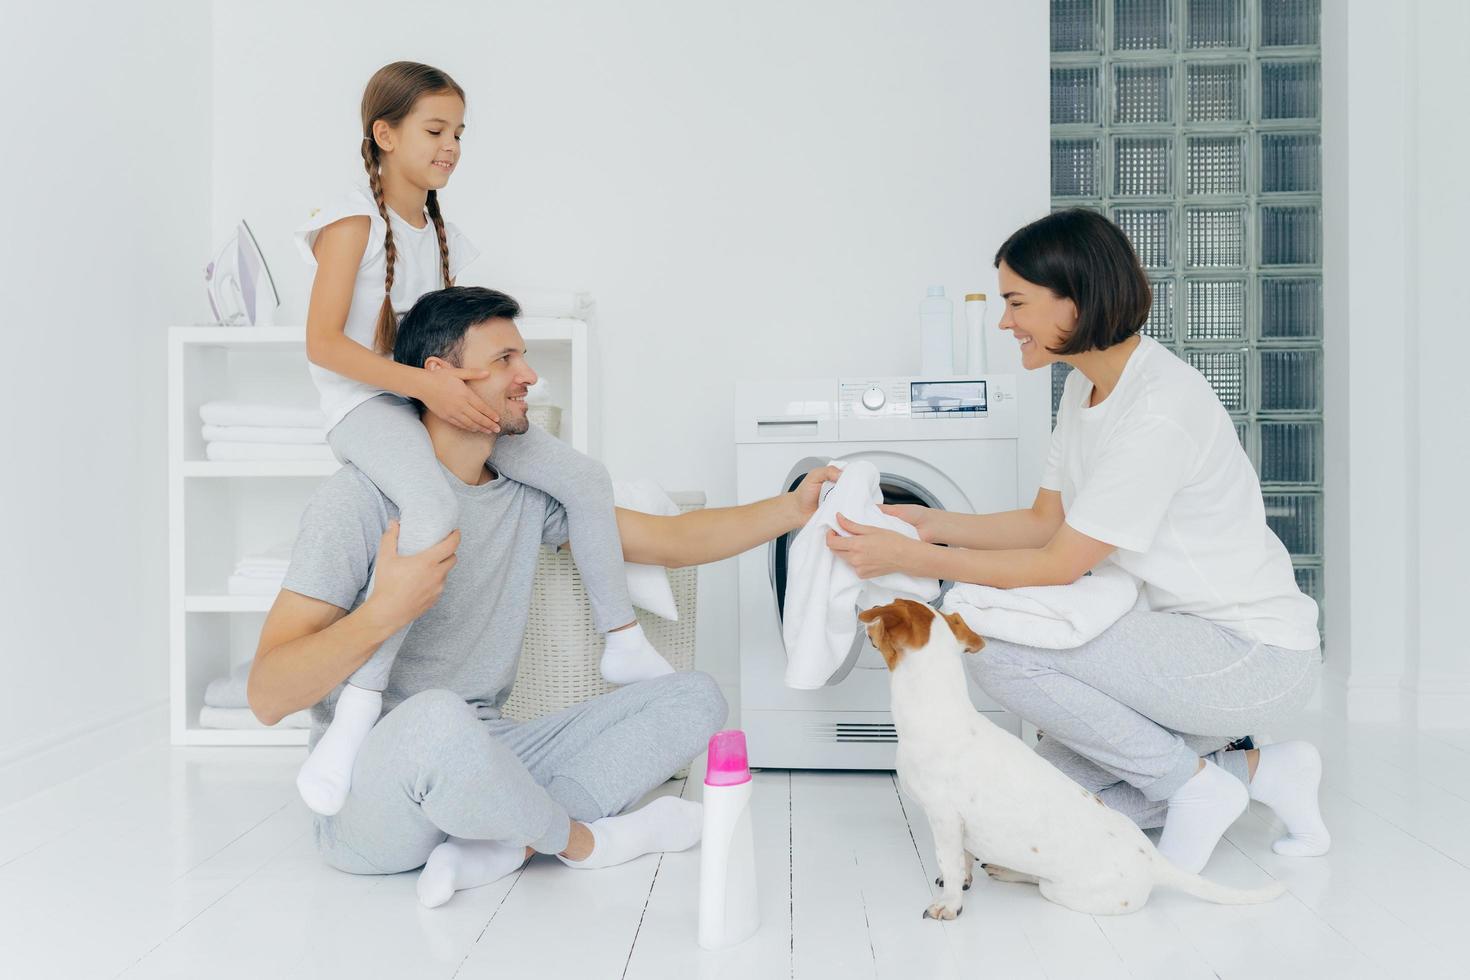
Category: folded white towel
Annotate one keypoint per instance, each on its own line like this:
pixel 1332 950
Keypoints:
pixel 1052 617
pixel 276 451
pixel 556 304
pixel 264 433
pixel 648 585
pixel 229 691
pixel 251 585
pixel 272 571
pixel 263 414
pixel 278 552
pixel 824 594
pixel 242 718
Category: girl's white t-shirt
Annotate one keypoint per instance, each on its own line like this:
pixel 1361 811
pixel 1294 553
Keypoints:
pixel 416 270
pixel 1156 470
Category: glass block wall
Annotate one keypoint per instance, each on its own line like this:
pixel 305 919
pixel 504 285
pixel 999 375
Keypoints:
pixel 1196 126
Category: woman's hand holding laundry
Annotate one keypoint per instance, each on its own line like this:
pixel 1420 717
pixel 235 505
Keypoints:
pixel 872 551
pixel 409 585
pixel 445 393
pixel 925 520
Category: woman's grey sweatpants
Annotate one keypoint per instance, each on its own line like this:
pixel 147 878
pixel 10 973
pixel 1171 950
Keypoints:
pixel 1129 714
pixel 385 438
pixel 430 768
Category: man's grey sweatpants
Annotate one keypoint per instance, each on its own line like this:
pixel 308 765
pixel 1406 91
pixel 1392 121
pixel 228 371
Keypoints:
pixel 385 438
pixel 430 768
pixel 1129 714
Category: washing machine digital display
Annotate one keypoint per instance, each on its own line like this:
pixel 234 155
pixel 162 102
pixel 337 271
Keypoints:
pixel 947 399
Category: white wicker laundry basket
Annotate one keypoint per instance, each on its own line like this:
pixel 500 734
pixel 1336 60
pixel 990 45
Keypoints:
pixel 546 416
pixel 562 649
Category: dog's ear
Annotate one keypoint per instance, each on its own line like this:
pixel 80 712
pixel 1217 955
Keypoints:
pixel 878 620
pixel 898 627
pixel 969 639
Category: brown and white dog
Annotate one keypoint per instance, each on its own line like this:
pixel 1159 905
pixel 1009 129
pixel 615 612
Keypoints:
pixel 990 797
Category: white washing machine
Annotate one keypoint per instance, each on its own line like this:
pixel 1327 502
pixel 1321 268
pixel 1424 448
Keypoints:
pixel 949 443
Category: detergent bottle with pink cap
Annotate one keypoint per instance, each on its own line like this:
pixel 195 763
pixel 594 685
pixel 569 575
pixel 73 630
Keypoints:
pixel 728 913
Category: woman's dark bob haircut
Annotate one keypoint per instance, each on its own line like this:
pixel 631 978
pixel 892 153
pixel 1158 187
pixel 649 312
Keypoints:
pixel 1081 256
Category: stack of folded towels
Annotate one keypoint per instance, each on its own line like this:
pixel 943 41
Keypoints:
pixel 249 430
pixel 225 705
pixel 262 573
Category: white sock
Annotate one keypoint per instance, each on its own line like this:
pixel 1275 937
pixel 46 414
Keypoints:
pixel 1286 780
pixel 666 824
pixel 629 657
pixel 458 864
pixel 327 774
pixel 1199 813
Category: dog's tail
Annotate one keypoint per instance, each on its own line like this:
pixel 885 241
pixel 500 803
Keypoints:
pixel 1173 876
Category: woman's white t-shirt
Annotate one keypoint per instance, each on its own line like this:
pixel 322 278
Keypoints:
pixel 1156 470
pixel 416 270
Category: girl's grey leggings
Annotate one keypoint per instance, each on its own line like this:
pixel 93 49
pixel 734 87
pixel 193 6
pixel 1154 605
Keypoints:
pixel 385 438
pixel 1129 714
pixel 431 768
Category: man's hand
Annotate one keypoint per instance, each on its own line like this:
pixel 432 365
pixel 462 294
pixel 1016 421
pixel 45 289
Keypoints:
pixel 808 493
pixel 409 585
pixel 871 551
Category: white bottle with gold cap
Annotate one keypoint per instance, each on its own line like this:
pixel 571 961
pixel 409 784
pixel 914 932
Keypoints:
pixel 976 361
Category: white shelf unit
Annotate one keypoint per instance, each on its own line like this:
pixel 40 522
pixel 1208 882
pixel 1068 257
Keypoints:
pixel 220 511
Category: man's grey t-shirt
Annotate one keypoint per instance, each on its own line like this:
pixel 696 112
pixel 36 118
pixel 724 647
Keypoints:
pixel 470 641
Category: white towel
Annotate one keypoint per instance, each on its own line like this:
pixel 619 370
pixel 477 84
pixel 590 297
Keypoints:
pixel 264 414
pixel 824 594
pixel 253 585
pixel 648 585
pixel 242 718
pixel 1052 617
pixel 264 433
pixel 276 451
pixel 250 571
pixel 229 691
pixel 556 304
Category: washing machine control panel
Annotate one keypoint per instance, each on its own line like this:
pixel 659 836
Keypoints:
pixel 917 407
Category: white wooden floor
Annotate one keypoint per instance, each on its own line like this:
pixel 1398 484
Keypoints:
pixel 199 863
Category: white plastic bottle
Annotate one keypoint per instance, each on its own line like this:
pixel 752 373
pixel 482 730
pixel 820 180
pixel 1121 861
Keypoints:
pixel 976 361
pixel 728 912
pixel 936 340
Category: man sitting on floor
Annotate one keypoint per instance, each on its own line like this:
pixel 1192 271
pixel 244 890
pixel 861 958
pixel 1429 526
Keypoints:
pixel 443 780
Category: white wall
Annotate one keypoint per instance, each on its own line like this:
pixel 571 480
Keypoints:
pixel 106 173
pixel 754 189
pixel 1394 152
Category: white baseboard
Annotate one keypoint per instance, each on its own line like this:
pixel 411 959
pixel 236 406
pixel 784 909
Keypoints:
pixel 1442 701
pixel 1375 698
pixel 1432 701
pixel 32 766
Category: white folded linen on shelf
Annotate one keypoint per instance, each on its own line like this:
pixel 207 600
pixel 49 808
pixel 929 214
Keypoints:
pixel 264 570
pixel 302 416
pixel 229 691
pixel 275 451
pixel 252 585
pixel 557 304
pixel 239 719
pixel 648 585
pixel 264 433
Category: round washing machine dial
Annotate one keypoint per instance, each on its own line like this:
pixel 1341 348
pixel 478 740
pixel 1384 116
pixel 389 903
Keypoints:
pixel 873 399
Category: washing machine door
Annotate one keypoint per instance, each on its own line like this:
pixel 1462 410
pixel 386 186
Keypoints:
pixel 903 480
